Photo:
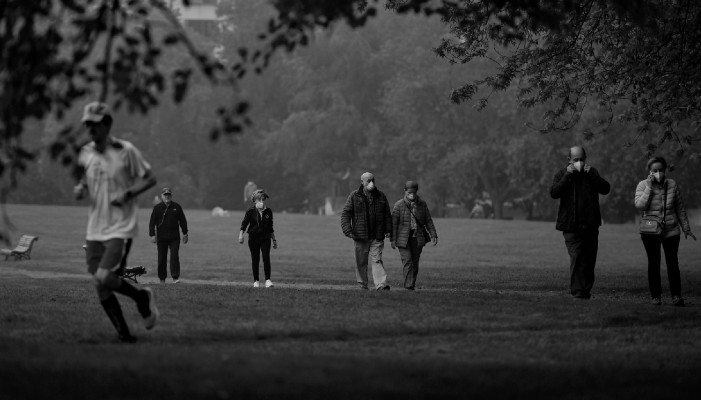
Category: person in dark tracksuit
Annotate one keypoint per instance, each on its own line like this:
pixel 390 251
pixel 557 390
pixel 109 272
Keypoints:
pixel 578 187
pixel 412 225
pixel 259 221
pixel 167 219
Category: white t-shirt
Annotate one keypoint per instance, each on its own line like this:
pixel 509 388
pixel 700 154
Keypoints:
pixel 108 174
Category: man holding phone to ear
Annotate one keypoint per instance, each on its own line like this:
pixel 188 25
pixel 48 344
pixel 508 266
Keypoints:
pixel 578 187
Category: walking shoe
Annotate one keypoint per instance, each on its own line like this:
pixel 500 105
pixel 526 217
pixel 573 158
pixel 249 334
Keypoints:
pixel 677 301
pixel 176 280
pixel 149 310
pixel 656 301
pixel 268 283
pixel 256 284
pixel 363 287
pixel 383 287
pixel 163 281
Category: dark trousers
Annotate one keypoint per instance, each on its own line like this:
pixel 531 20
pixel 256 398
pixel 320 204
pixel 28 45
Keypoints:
pixel 258 246
pixel 174 246
pixel 583 247
pixel 411 254
pixel 654 258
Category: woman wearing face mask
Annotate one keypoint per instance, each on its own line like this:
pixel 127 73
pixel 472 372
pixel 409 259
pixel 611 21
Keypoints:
pixel 259 221
pixel 413 228
pixel 660 196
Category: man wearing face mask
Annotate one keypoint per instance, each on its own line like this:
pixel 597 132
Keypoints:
pixel 413 228
pixel 167 219
pixel 578 187
pixel 366 218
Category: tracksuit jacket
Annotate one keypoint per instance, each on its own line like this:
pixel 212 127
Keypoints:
pixel 167 221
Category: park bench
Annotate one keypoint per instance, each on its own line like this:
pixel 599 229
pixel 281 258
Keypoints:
pixel 23 249
pixel 130 273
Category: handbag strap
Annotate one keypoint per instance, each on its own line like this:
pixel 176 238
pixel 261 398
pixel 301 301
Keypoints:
pixel 422 226
pixel 664 204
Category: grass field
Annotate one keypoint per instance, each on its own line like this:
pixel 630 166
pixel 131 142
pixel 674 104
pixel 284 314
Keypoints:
pixel 492 318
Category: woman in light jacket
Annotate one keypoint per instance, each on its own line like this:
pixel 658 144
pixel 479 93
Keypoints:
pixel 412 228
pixel 650 198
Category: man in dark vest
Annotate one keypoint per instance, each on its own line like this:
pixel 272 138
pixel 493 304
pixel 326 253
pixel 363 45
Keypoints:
pixel 167 219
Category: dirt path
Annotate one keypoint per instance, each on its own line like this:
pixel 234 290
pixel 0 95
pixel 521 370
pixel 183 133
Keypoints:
pixel 18 272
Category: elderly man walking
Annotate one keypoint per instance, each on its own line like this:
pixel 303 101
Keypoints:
pixel 366 218
pixel 578 187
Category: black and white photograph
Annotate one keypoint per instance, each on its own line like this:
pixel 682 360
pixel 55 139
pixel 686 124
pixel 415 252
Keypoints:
pixel 350 199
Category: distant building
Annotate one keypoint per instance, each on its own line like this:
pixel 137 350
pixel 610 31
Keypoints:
pixel 200 16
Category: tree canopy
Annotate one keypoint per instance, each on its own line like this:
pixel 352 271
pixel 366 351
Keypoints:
pixel 612 71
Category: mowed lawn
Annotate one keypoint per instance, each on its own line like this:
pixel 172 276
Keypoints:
pixel 492 318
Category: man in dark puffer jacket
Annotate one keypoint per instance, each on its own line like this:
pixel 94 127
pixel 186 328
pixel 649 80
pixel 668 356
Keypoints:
pixel 578 187
pixel 366 218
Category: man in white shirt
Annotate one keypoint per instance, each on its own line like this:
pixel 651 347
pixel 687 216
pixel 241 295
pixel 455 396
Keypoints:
pixel 114 173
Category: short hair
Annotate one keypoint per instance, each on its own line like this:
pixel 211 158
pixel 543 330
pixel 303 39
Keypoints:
pixel 656 159
pixel 584 152
pixel 259 195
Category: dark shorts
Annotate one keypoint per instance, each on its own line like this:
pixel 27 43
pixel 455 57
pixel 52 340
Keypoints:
pixel 107 254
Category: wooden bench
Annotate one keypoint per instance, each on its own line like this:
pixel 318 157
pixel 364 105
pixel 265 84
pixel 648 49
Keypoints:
pixel 23 249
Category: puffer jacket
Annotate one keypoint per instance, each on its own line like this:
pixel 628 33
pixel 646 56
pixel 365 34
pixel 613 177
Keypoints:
pixel 365 218
pixel 649 198
pixel 401 222
pixel 579 199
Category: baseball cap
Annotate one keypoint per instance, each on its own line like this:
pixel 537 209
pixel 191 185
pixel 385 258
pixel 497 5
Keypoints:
pixel 96 111
pixel 166 191
pixel 409 185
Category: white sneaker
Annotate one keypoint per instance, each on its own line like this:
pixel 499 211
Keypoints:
pixel 268 283
pixel 256 284
pixel 176 281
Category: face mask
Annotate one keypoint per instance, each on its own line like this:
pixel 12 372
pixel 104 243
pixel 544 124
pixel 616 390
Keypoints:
pixel 260 205
pixel 370 186
pixel 579 165
pixel 411 196
pixel 659 176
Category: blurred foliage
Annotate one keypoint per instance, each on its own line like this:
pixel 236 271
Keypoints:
pixel 334 101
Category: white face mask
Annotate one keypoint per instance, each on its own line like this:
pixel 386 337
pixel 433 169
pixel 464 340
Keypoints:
pixel 659 176
pixel 370 186
pixel 578 165
pixel 260 205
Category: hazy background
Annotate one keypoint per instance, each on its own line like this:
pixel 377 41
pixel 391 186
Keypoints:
pixel 375 98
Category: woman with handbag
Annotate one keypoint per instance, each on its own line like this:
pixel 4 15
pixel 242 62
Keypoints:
pixel 412 228
pixel 664 218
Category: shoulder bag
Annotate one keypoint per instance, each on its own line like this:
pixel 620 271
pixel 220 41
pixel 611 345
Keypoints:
pixel 652 225
pixel 424 230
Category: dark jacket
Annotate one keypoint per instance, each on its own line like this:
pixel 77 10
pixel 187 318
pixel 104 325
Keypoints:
pixel 401 222
pixel 365 218
pixel 166 222
pixel 579 199
pixel 259 226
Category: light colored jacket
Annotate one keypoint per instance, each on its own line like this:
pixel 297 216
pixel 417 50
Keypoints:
pixel 649 198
